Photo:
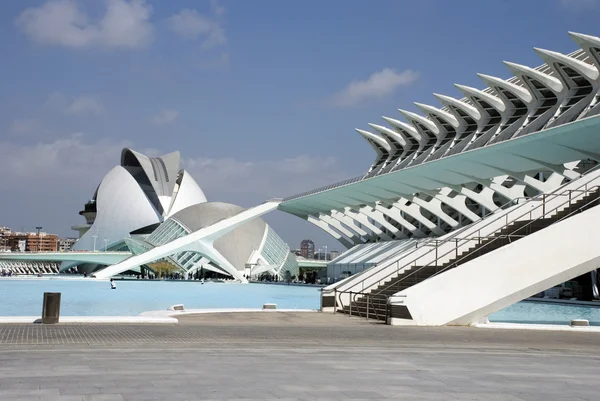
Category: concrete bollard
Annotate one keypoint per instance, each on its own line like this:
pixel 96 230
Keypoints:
pixel 51 308
pixel 579 322
pixel 178 307
pixel 269 306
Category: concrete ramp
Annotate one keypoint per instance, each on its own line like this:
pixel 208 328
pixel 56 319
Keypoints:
pixel 468 293
pixel 199 241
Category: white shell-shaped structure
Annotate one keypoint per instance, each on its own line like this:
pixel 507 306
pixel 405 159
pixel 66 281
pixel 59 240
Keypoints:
pixel 253 248
pixel 141 192
pixel 147 202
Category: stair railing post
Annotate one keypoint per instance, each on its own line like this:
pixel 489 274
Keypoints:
pixel 456 248
pixel 335 300
pixel 367 306
pixel 543 205
pixel 350 302
pixel 436 254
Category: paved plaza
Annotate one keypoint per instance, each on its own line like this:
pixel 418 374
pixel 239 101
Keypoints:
pixel 293 356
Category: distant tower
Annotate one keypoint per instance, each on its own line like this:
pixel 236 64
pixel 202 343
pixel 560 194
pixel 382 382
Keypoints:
pixel 307 249
pixel 89 212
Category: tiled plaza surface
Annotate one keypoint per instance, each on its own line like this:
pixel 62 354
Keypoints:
pixel 296 357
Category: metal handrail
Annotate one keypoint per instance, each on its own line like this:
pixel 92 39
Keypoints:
pixel 494 238
pixel 323 189
pixel 451 238
pixel 352 296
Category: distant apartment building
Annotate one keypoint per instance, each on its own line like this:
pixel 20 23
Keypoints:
pixel 65 244
pixel 3 240
pixel 43 242
pixel 27 242
pixel 307 249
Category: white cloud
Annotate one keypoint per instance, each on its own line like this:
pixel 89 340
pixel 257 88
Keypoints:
pixel 81 105
pixel 84 105
pixel 125 24
pixel 217 9
pixel 63 173
pixel 75 164
pixel 190 24
pixel 25 128
pixel 68 158
pixel 165 117
pixel 378 85
pixel 234 180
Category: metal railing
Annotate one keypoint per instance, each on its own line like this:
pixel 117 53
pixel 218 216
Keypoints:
pixel 490 220
pixel 323 189
pixel 371 311
pixel 544 198
pixel 495 238
pixel 382 296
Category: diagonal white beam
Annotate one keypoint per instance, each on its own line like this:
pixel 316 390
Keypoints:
pixel 205 236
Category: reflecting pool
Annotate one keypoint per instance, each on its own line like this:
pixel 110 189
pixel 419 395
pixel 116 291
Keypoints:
pixel 88 297
pixel 546 313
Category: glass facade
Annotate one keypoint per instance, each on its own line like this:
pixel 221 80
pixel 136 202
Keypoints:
pixel 276 253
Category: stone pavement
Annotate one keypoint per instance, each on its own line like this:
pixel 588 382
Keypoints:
pixel 293 356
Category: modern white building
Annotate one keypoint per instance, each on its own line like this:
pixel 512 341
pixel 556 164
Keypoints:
pixel 139 193
pixel 149 201
pixel 472 205
pixel 467 208
pixel 250 250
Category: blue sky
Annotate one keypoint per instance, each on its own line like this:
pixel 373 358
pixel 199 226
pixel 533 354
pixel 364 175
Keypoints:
pixel 260 97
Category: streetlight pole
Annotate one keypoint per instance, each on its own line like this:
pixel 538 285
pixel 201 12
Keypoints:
pixel 39 242
pixel 94 237
pixel 105 243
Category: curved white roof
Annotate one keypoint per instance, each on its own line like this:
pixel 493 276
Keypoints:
pixel 122 207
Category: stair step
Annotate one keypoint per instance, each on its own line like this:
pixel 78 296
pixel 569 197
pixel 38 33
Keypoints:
pixel 506 235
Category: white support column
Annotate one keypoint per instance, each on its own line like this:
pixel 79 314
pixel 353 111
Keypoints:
pixel 350 223
pixel 458 203
pixel 358 216
pixel 394 214
pixel 434 206
pixel 336 224
pixel 413 211
pixel 347 242
pixel 379 217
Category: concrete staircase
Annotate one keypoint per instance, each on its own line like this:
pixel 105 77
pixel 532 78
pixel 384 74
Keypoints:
pixel 374 304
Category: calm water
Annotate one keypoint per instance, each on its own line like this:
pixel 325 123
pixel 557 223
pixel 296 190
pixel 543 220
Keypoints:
pixel 86 297
pixel 544 313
